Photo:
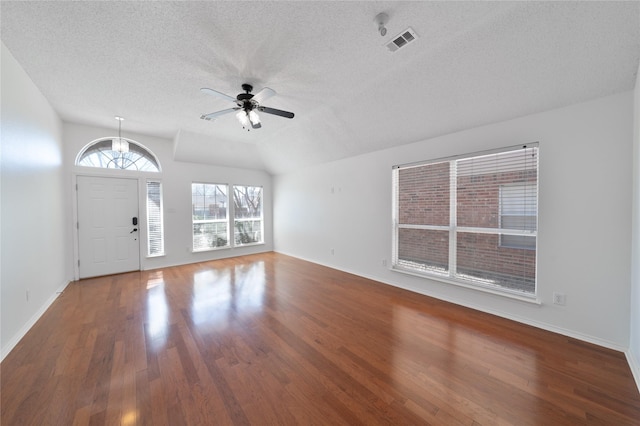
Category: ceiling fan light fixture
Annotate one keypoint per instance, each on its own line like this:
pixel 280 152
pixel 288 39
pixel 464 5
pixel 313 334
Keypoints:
pixel 243 118
pixel 254 118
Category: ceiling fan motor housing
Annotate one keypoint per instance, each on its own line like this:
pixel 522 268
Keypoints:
pixel 244 96
pixel 244 99
pixel 248 105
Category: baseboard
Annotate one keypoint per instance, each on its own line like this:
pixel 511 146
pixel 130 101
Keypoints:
pixel 27 326
pixel 634 364
pixel 544 326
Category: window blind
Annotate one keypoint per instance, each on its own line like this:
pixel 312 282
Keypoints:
pixel 155 227
pixel 470 219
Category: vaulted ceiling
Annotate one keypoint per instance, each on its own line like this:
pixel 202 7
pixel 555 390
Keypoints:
pixel 473 63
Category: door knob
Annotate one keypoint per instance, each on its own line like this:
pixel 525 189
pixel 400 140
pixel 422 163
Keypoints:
pixel 134 230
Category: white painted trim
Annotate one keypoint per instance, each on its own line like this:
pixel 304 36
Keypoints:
pixel 544 326
pixel 74 226
pixel 634 365
pixel 31 322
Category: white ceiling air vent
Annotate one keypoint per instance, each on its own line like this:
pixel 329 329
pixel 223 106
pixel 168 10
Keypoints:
pixel 402 39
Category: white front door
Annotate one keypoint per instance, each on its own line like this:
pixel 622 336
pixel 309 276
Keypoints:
pixel 108 240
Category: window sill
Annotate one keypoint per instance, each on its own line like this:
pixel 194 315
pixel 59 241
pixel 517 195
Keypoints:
pixel 153 256
pixel 533 299
pixel 226 247
pixel 210 249
pixel 507 246
pixel 249 245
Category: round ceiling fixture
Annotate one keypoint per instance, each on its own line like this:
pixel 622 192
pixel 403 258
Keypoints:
pixel 381 20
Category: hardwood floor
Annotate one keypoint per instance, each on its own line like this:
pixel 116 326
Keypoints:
pixel 272 340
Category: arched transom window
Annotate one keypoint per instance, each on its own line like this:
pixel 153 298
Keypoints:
pixel 118 153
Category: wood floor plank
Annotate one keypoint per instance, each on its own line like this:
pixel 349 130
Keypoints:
pixel 272 340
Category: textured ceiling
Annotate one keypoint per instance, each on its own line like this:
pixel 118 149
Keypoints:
pixel 474 63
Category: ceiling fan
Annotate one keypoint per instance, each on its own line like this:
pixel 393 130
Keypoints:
pixel 247 105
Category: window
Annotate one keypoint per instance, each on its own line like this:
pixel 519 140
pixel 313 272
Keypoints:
pixel 247 213
pixel 115 153
pixel 210 216
pixel 155 229
pixel 470 219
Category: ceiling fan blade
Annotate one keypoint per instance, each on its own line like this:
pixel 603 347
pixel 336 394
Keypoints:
pixel 218 94
pixel 285 114
pixel 217 114
pixel 265 93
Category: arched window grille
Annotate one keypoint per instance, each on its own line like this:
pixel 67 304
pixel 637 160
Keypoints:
pixel 118 153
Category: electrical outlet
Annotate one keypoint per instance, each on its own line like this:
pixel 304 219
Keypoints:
pixel 559 299
pixel 384 262
pixel 28 294
pixel 332 252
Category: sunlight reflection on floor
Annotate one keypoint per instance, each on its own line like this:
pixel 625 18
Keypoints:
pixel 157 310
pixel 218 293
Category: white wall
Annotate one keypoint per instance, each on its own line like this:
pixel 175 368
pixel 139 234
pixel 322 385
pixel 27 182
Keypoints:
pixel 34 245
pixel 584 216
pixel 634 344
pixel 176 180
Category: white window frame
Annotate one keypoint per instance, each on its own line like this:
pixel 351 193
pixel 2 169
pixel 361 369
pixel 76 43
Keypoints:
pixel 226 221
pixel 450 275
pixel 100 154
pixel 248 219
